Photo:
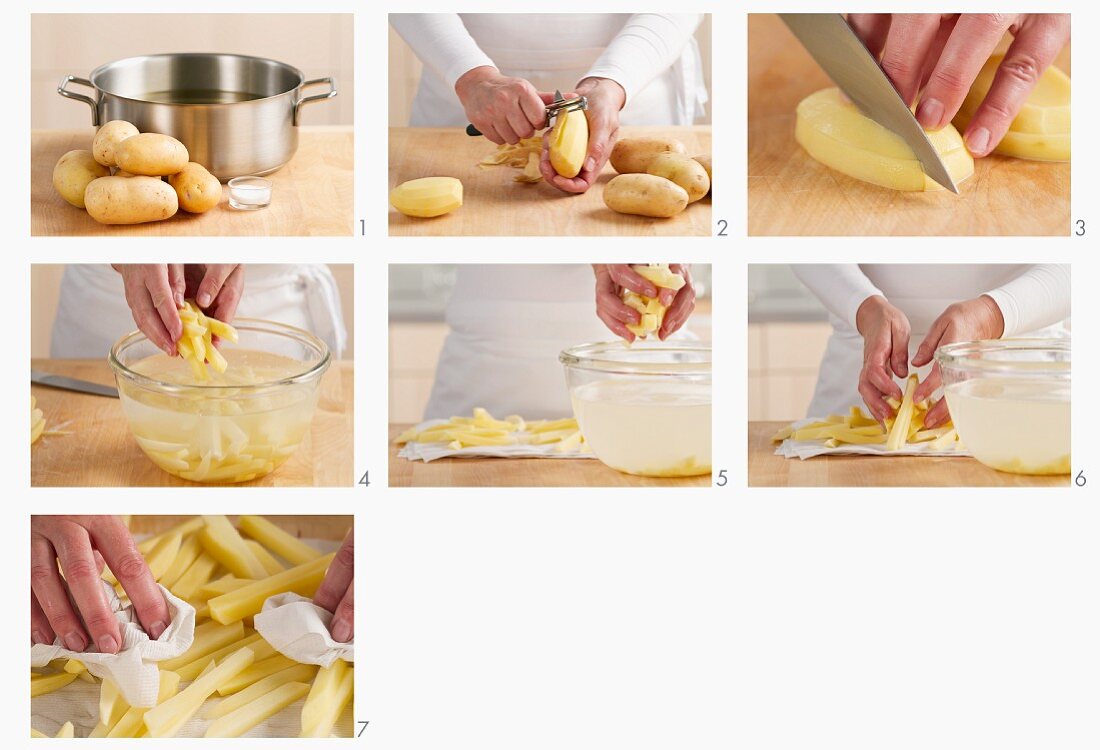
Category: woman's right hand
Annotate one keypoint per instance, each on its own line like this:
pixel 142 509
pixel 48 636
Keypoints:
pixel 611 280
pixel 337 591
pixel 75 607
pixel 885 331
pixel 503 108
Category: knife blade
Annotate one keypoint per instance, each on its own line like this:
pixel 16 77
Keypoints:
pixel 72 384
pixel 840 53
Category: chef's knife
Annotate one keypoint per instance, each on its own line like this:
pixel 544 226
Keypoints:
pixel 72 384
pixel 840 53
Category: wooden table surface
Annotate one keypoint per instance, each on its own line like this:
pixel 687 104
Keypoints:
pixel 312 195
pixel 791 194
pixel 493 204
pixel 769 470
pixel 516 472
pixel 100 451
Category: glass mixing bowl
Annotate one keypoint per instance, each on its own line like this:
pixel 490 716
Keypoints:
pixel 1010 402
pixel 238 426
pixel 644 408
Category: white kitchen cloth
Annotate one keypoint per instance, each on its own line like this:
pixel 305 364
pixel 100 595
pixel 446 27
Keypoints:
pixel 134 667
pixel 298 629
pixel 427 452
pixel 804 449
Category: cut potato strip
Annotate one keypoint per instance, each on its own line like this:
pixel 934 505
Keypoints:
pixel 272 537
pixel 167 718
pixel 248 600
pixel 251 714
pixel 330 692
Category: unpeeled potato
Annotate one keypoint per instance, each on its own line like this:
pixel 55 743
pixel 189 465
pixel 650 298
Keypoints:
pixel 107 139
pixel 73 173
pixel 151 154
pixel 684 171
pixel 198 190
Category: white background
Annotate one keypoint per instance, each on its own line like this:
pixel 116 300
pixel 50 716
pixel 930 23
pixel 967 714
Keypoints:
pixel 600 618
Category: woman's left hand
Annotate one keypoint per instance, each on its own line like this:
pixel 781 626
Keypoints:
pixel 605 99
pixel 337 591
pixel 970 320
pixel 682 304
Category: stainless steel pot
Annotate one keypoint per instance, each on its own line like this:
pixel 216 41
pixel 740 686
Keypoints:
pixel 237 115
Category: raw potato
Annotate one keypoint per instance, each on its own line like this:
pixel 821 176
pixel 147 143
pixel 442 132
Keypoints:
pixel 198 190
pixel 684 171
pixel 632 155
pixel 1041 131
pixel 130 200
pixel 645 195
pixel 704 161
pixel 73 173
pixel 427 197
pixel 107 139
pixel 482 429
pixel 569 143
pixel 151 154
pixel 856 428
pixel 835 133
pixel 651 312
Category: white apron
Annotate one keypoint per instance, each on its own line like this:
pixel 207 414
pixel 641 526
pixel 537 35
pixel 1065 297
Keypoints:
pixel 92 313
pixel 838 377
pixel 555 51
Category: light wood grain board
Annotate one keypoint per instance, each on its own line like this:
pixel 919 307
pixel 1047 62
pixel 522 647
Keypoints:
pixel 769 470
pixel 301 526
pixel 100 451
pixel 495 205
pixel 791 194
pixel 516 472
pixel 312 195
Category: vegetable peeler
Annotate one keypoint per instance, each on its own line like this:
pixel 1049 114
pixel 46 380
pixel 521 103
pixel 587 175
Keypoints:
pixel 553 109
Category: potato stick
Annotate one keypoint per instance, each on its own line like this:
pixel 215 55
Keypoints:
pixel 132 721
pixel 217 361
pixel 260 648
pixel 222 541
pixel 99 730
pixel 111 704
pixel 222 330
pixel 331 689
pixel 900 429
pixel 256 672
pixel 223 585
pixel 553 425
pixel 66 729
pixel 49 683
pixel 166 717
pixel 274 538
pixel 209 637
pixel 303 580
pixel 72 666
pixel 198 575
pixel 782 434
pixel 296 673
pixel 944 441
pixel 36 734
pixel 259 710
pixel 184 528
pixel 271 565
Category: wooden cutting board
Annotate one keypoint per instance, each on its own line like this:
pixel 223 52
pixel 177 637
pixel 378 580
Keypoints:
pixel 312 195
pixel 516 472
pixel 493 204
pixel 791 194
pixel 100 452
pixel 769 470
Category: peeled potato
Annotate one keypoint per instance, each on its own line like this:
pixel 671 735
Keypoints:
pixel 1041 131
pixel 427 197
pixel 834 132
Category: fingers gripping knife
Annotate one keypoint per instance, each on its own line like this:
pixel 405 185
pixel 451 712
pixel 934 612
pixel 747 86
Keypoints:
pixel 559 106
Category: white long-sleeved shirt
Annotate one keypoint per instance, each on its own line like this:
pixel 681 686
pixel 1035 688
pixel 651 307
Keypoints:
pixel 1030 297
pixel 632 50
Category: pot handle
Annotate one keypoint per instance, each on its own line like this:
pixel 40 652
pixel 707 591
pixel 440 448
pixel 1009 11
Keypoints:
pixel 61 89
pixel 316 97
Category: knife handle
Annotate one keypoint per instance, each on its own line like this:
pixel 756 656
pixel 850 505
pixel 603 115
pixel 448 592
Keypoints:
pixel 471 130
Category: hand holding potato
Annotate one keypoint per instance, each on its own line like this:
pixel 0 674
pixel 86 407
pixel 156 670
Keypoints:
pixel 337 591
pixel 75 607
pixel 503 108
pixel 605 99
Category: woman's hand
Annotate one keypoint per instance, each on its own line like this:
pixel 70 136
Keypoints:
pixel 605 99
pixel 503 108
pixel 156 291
pixel 943 53
pixel 337 592
pixel 972 320
pixel 682 305
pixel 885 331
pixel 75 607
